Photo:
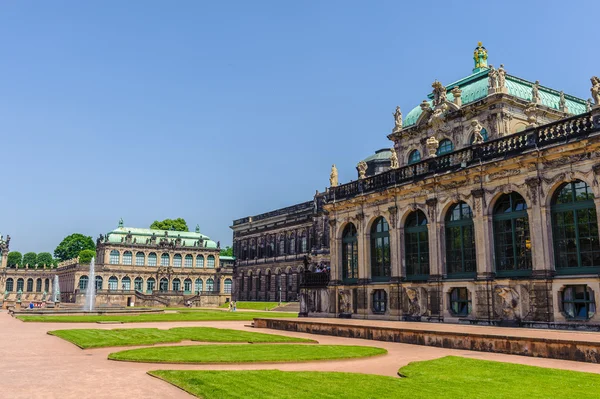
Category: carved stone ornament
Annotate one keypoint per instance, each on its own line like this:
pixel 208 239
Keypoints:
pixel 533 183
pixel 425 106
pixel 439 93
pixel 394 160
pixel 393 210
pixel 432 145
pixel 477 136
pixel 362 169
pixel 457 93
pixel 531 112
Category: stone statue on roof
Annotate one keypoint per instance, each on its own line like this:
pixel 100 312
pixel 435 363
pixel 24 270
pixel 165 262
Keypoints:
pixel 397 120
pixel 595 90
pixel 562 103
pixel 439 93
pixel 121 222
pixel 362 169
pixel 492 78
pixel 333 176
pixel 477 136
pixel 197 228
pixel 535 92
pixel 501 77
pixel 588 105
pixel 394 159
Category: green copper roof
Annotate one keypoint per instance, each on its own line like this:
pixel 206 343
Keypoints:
pixel 187 237
pixel 380 155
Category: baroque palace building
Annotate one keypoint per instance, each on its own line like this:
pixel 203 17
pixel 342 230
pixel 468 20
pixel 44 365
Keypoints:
pixel 145 267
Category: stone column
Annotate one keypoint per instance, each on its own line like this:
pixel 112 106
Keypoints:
pixel 395 259
pixel 363 242
pixel 435 248
pixel 482 223
pixel 539 229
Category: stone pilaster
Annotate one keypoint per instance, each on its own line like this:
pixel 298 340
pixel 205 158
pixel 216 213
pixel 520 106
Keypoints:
pixel 482 224
pixel 540 227
pixel 436 257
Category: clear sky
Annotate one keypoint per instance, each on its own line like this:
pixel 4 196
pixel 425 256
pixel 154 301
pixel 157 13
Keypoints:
pixel 215 110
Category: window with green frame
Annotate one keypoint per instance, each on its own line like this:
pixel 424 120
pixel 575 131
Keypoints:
pixel 512 242
pixel 414 157
pixel 460 241
pixel 445 147
pixel 459 302
pixel 350 254
pixel 380 250
pixel 575 228
pixel 416 246
pixel 578 302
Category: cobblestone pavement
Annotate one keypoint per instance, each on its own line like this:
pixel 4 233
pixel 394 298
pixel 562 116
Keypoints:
pixel 37 365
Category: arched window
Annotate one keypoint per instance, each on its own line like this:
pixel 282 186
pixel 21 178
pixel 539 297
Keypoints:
pixel 271 247
pixel 164 284
pixel 512 243
pixel 350 253
pixel 445 147
pixel 380 250
pixel 138 284
pixel 414 157
pixel 416 246
pixel 241 283
pixel 199 261
pixel 150 285
pixel 113 283
pixel 460 241
pixel 99 283
pixel 227 286
pixel 210 261
pixel 304 244
pixel 20 284
pixel 177 260
pixel 9 284
pixel 83 282
pixel 38 285
pixel 199 285
pixel 127 258
pixel 575 228
pixel 282 246
pixel 164 259
pixel 47 285
pixel 483 132
pixel 126 283
pixel 187 285
pixel 189 260
pixel 249 282
pixel 258 282
pixel 268 281
pixel 139 259
pixel 210 285
pixel 292 246
pixel 176 284
pixel 29 285
pixel 151 259
pixel 114 257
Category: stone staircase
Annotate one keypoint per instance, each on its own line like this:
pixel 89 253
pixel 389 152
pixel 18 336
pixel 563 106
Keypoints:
pixel 292 307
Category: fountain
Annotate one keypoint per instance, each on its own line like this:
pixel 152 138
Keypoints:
pixel 90 291
pixel 56 290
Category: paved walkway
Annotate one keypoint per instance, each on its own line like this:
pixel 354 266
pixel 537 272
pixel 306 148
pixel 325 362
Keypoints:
pixel 37 365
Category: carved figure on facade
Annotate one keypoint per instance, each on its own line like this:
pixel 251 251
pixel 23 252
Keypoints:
pixel 438 119
pixel 480 56
pixel 129 237
pixel 562 103
pixel 588 105
pixel 531 112
pixel 513 302
pixel 397 120
pixel 492 79
pixel 439 93
pixel 333 176
pixel 344 301
pixel 535 92
pixel 362 169
pixel 595 90
pixel 394 159
pixel 477 136
pixel 501 77
pixel 457 93
pixel 425 106
pixel 432 145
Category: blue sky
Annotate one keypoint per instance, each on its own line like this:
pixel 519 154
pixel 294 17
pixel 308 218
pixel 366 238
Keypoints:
pixel 215 110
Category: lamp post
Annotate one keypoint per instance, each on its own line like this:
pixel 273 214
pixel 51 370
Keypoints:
pixel 279 294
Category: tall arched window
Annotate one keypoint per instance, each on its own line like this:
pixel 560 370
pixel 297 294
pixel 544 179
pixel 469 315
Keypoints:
pixel 258 282
pixel 303 244
pixel 199 261
pixel 164 259
pixel 20 284
pixel 210 285
pixel 83 282
pixel 99 282
pixel 9 284
pixel 198 286
pixel 38 285
pixel 416 246
pixel 292 246
pixel 176 284
pixel 241 283
pixel 380 250
pixel 113 283
pixel 114 257
pixel 575 228
pixel 512 243
pixel 250 282
pixel 268 281
pixel 281 246
pixel 126 283
pixel 138 284
pixel 445 147
pixel 227 286
pixel 414 157
pixel 189 260
pixel 164 284
pixel 150 283
pixel 350 254
pixel 139 259
pixel 29 285
pixel 152 259
pixel 47 285
pixel 177 260
pixel 187 285
pixel 127 258
pixel 210 261
pixel 460 241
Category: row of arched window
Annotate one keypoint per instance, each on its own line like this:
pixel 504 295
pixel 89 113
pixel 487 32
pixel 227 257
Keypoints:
pixel 187 286
pixel 283 282
pixel 444 147
pixel 272 247
pixel 10 285
pixel 165 259
pixel 574 226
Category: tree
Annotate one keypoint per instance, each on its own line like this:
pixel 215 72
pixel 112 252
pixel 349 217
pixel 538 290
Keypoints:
pixel 85 256
pixel 44 259
pixel 14 258
pixel 72 245
pixel 30 259
pixel 228 251
pixel 178 224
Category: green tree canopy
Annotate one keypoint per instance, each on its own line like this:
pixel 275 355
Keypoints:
pixel 30 258
pixel 45 259
pixel 228 251
pixel 178 224
pixel 14 258
pixel 72 245
pixel 85 256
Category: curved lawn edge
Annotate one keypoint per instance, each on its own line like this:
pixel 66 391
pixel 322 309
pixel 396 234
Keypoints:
pixel 222 351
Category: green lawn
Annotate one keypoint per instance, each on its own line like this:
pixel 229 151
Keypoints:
pixel 244 353
pixel 448 377
pixel 255 305
pixel 90 338
pixel 195 315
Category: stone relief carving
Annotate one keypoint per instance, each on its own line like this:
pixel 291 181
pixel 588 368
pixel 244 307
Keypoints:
pixel 393 210
pixel 504 173
pixel 415 303
pixel 344 301
pixel 457 93
pixel 512 302
pixel 533 183
pixel 595 90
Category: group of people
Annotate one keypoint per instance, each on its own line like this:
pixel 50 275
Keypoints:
pixel 322 268
pixel 232 306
